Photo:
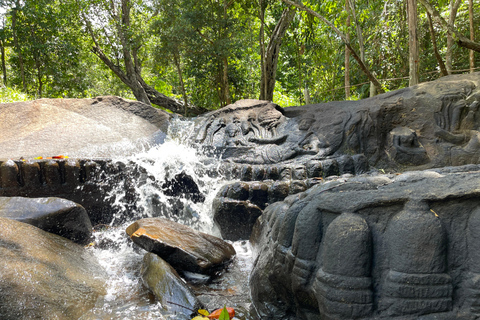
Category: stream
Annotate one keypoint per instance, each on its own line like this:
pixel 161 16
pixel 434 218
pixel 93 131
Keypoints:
pixel 126 296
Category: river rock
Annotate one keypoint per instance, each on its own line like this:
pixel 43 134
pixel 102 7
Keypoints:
pixel 184 248
pixel 45 276
pixel 99 127
pixel 167 286
pixel 235 218
pixel 62 217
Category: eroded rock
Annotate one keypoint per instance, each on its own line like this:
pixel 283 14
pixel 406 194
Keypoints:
pixel 49 127
pixel 167 286
pixel 59 216
pixel 45 276
pixel 372 247
pixel 184 248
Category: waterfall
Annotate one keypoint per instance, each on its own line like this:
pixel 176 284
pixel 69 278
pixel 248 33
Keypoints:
pixel 126 297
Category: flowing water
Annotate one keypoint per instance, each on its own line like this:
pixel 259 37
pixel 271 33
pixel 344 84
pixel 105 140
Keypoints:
pixel 126 297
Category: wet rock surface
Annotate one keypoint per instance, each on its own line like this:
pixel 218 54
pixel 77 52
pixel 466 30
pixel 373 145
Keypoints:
pixel 182 247
pixel 59 216
pixel 368 247
pixel 167 286
pixel 45 276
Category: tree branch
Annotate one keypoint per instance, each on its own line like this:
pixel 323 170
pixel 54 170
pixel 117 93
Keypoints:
pixel 457 36
pixel 355 55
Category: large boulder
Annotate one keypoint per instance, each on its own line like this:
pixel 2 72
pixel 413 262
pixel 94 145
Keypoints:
pixel 167 286
pixel 184 248
pixel 372 246
pixel 45 276
pixel 63 217
pixel 100 127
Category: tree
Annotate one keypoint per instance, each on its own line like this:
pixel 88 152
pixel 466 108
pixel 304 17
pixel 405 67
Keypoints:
pixel 271 54
pixel 355 55
pixel 472 35
pixel 451 30
pixel 413 58
pixel 347 51
pixel 120 37
pixel 443 69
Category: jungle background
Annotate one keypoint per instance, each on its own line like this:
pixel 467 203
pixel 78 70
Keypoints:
pixel 190 56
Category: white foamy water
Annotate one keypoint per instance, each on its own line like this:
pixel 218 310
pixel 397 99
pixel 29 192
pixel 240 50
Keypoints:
pixel 126 297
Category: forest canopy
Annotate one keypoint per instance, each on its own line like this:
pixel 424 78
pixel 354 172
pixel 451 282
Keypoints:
pixel 191 56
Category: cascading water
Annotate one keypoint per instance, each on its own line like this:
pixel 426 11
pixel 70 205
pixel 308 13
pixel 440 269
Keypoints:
pixel 126 297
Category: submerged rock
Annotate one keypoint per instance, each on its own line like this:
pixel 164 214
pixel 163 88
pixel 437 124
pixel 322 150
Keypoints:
pixel 167 286
pixel 183 185
pixel 184 248
pixel 45 276
pixel 62 217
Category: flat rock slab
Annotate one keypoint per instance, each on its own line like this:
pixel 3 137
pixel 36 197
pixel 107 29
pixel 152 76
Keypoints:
pixel 59 216
pixel 184 248
pixel 45 276
pixel 100 127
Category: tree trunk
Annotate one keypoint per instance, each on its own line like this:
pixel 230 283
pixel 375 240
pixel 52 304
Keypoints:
pixel 454 5
pixel 347 53
pixel 123 27
pixel 4 66
pixel 261 39
pixel 226 88
pixel 412 42
pixel 354 53
pixel 443 69
pixel 134 80
pixel 180 78
pixel 17 47
pixel 472 35
pixel 271 55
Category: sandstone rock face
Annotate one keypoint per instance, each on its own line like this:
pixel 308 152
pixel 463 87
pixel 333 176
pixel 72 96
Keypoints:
pixel 429 125
pixel 182 247
pixel 99 127
pixel 45 276
pixel 62 217
pixel 167 286
pixel 370 247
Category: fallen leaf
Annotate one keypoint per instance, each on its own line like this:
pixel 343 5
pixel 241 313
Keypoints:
pixel 230 312
pixel 203 312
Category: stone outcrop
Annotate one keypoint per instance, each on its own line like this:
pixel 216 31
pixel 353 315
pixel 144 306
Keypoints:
pixel 370 247
pixel 100 127
pixel 182 247
pixel 167 286
pixel 45 276
pixel 429 125
pixel 83 181
pixel 59 216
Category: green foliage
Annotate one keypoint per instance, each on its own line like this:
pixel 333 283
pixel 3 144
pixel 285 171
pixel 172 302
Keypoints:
pixel 48 48
pixel 224 314
pixel 8 94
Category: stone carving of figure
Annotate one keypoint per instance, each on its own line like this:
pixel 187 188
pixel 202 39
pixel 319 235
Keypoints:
pixel 233 134
pixel 269 121
pixel 215 127
pixel 465 132
pixel 408 150
pixel 250 126
pixel 274 150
